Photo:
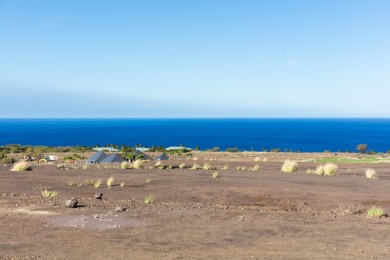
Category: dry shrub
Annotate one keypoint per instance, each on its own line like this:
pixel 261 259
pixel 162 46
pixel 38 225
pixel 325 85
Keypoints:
pixel 21 167
pixel 196 167
pixel 289 166
pixel 182 166
pixel 370 173
pixel 256 168
pixel 208 167
pixel 125 165
pixel 138 164
pixel 330 169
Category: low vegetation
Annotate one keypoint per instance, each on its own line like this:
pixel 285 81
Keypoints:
pixel 21 167
pixel 148 181
pixel 47 193
pixel 289 166
pixel 125 165
pixel 138 164
pixel 97 184
pixel 376 212
pixel 370 173
pixel 256 168
pixel 196 167
pixel 208 167
pixel 216 175
pixel 110 182
pixel 149 200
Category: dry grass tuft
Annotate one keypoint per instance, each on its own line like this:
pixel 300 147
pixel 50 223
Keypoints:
pixel 21 167
pixel 49 193
pixel 182 166
pixel 138 164
pixel 196 167
pixel 256 168
pixel 208 167
pixel 215 175
pixel 330 169
pixel 289 166
pixel 370 173
pixel 125 165
pixel 110 182
pixel 376 212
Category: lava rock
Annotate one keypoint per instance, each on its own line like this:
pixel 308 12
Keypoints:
pixel 98 196
pixel 72 203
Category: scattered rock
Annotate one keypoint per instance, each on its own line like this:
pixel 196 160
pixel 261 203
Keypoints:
pixel 72 203
pixel 119 209
pixel 98 196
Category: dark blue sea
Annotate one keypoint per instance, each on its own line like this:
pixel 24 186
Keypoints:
pixel 306 135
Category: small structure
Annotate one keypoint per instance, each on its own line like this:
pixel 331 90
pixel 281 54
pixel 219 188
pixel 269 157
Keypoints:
pixel 97 157
pixel 108 149
pixel 51 158
pixel 143 156
pixel 113 158
pixel 142 149
pixel 162 157
pixel 173 148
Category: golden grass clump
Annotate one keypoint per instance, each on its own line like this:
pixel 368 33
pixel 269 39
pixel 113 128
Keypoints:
pixel 240 168
pixel 376 212
pixel 256 168
pixel 122 184
pixel 225 167
pixel 21 167
pixel 125 165
pixel 370 173
pixel 289 166
pixel 85 167
pixel 138 164
pixel 208 167
pixel 257 159
pixel 49 193
pixel 110 182
pixel 182 166
pixel 97 184
pixel 216 175
pixel 330 169
pixel 319 170
pixel 196 167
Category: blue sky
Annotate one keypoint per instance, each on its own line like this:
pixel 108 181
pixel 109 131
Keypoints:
pixel 195 58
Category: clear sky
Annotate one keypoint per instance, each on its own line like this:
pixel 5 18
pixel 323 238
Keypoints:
pixel 194 58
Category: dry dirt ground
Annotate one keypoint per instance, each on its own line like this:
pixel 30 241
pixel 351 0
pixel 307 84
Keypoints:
pixel 264 214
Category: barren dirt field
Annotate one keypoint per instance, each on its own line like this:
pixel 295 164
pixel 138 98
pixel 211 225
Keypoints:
pixel 243 214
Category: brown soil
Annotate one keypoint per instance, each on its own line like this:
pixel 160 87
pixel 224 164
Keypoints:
pixel 263 214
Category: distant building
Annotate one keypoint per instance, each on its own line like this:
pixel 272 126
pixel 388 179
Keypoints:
pixel 108 149
pixel 142 149
pixel 178 148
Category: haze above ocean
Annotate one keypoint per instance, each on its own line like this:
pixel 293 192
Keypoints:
pixel 306 135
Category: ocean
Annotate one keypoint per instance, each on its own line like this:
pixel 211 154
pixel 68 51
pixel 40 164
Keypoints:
pixel 305 135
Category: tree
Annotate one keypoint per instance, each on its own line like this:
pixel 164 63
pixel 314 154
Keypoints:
pixel 362 148
pixel 216 149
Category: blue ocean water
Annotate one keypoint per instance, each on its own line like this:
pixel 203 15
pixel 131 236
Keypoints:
pixel 306 135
